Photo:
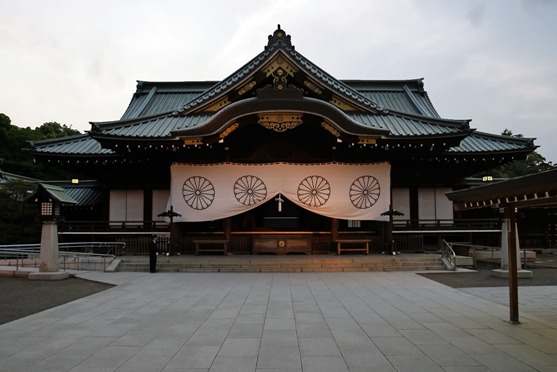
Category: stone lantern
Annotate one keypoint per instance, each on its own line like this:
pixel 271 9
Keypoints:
pixel 49 199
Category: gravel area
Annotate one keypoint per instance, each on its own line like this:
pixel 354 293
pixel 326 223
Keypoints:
pixel 22 297
pixel 484 278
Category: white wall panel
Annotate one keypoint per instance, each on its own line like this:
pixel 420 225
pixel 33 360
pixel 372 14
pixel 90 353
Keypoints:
pixel 126 205
pixel 401 202
pixel 160 201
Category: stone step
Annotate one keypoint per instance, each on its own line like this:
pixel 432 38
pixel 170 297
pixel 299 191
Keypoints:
pixel 326 263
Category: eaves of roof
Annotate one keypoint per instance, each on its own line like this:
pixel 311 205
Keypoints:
pixel 411 125
pixel 79 145
pixel 55 192
pixel 84 196
pixel 167 127
pixel 479 142
pixel 155 127
pixel 534 189
pixel 7 177
pixel 305 105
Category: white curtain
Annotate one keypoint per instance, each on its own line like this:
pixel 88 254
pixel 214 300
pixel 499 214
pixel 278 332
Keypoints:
pixel 345 191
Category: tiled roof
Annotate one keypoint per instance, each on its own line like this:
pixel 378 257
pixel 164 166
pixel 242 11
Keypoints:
pixel 165 99
pixel 153 98
pixel 399 125
pixel 153 127
pixel 84 196
pixel 81 144
pixel 479 142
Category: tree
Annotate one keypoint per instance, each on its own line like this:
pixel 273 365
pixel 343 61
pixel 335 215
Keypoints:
pixel 53 129
pixel 13 140
pixel 18 219
pixel 534 163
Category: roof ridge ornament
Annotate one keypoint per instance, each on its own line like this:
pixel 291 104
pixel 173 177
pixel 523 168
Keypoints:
pixel 279 35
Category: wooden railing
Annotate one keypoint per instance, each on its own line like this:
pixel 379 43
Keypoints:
pixel 398 225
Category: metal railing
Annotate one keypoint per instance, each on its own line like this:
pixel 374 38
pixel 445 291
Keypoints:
pixel 474 248
pixel 114 226
pixel 448 256
pixel 74 255
pixel 474 224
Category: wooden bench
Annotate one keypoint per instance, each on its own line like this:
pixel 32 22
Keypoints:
pixel 352 245
pixel 211 246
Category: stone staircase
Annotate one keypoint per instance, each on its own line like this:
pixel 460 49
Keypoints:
pixel 286 263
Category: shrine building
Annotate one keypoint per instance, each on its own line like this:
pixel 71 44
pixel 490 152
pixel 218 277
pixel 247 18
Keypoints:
pixel 279 157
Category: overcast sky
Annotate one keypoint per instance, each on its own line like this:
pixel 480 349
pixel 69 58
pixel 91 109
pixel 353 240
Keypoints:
pixel 76 61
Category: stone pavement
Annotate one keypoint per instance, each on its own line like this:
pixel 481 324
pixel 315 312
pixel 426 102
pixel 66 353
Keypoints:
pixel 372 321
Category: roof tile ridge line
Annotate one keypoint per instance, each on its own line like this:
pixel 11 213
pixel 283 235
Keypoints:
pixel 137 112
pixel 139 120
pixel 504 137
pixel 431 103
pixel 379 81
pixel 223 85
pixel 59 139
pixel 463 123
pixel 414 100
pixel 359 97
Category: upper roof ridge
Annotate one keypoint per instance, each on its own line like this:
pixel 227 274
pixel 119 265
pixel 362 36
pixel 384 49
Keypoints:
pixel 279 35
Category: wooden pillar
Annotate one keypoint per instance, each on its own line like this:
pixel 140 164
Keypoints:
pixel 228 228
pixel 334 229
pixel 510 213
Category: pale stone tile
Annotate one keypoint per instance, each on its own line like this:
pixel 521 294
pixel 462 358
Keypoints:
pixel 318 347
pixel 240 347
pixel 279 357
pixel 234 364
pixel 324 364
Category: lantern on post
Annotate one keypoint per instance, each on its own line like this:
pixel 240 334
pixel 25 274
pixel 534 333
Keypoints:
pixel 49 198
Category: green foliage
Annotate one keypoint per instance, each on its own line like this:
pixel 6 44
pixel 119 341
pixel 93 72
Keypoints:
pixel 19 221
pixel 13 140
pixel 534 163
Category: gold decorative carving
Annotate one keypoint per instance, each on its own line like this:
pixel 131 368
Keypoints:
pixel 218 105
pixel 367 140
pixel 280 121
pixel 330 129
pixel 229 130
pixel 279 78
pixel 280 62
pixel 247 87
pixel 193 141
pixel 342 104
pixel 312 87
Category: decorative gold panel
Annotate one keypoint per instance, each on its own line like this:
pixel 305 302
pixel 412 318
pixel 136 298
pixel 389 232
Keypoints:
pixel 311 86
pixel 367 140
pixel 218 105
pixel 193 141
pixel 330 129
pixel 342 104
pixel 247 87
pixel 280 122
pixel 229 130
pixel 280 62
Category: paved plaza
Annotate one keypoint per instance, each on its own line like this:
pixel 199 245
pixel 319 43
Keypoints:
pixel 372 321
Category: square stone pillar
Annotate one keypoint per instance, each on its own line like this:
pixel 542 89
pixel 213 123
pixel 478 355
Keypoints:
pixel 49 264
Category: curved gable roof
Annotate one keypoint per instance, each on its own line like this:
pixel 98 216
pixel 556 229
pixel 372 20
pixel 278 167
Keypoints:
pixel 278 47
